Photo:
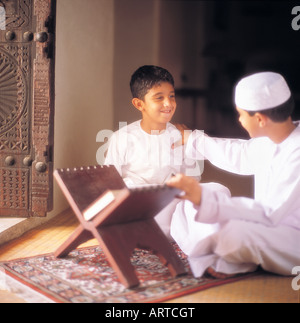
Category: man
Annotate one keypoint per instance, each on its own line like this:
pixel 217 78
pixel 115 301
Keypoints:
pixel 262 231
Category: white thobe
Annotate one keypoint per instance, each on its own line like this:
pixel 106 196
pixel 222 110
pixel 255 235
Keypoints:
pixel 148 159
pixel 248 232
pixel 143 158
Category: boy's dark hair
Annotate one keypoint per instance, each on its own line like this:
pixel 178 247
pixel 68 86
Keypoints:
pixel 147 76
pixel 280 113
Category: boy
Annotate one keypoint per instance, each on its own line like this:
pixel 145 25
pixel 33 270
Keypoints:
pixel 141 151
pixel 262 231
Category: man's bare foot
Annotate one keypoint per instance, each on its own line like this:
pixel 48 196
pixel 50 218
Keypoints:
pixel 211 272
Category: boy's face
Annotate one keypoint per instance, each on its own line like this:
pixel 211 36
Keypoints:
pixel 158 106
pixel 249 123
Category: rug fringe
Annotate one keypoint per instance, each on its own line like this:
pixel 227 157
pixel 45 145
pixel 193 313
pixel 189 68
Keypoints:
pixel 20 290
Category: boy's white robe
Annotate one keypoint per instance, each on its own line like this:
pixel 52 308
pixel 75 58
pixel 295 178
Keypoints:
pixel 148 159
pixel 246 232
pixel 143 159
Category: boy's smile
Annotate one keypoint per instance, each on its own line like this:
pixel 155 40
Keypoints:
pixel 158 107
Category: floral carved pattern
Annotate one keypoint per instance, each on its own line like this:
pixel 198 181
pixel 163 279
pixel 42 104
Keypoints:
pixel 12 92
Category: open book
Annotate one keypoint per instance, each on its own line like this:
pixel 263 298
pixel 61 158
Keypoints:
pixel 98 205
pixel 99 194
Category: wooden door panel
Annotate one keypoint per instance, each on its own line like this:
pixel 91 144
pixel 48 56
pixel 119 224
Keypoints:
pixel 26 107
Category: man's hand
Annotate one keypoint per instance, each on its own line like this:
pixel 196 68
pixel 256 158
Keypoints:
pixel 192 189
pixel 185 134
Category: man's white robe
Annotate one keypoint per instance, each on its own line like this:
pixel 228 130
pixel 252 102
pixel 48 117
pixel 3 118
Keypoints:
pixel 239 233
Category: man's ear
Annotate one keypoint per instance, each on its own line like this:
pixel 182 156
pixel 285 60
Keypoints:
pixel 138 104
pixel 261 119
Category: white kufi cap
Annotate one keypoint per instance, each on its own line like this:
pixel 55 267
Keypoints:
pixel 261 91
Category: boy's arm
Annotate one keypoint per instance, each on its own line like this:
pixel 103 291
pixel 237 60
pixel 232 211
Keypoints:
pixel 227 154
pixel 233 155
pixel 115 154
pixel 193 168
pixel 218 207
pixel 190 167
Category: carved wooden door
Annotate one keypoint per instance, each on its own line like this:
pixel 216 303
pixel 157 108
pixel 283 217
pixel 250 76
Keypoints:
pixel 26 106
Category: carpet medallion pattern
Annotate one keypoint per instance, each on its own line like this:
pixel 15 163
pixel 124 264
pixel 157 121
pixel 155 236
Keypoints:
pixel 85 276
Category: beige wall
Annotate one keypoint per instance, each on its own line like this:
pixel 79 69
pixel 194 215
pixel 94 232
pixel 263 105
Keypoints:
pixel 135 44
pixel 84 80
pixel 98 47
pixel 159 32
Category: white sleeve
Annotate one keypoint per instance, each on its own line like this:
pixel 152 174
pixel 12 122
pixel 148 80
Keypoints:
pixel 285 208
pixel 233 155
pixel 116 153
pixel 217 207
pixel 193 168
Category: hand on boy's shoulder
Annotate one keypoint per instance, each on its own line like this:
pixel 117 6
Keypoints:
pixel 185 133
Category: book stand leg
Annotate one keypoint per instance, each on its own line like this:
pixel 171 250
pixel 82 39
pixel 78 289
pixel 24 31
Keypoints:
pixel 79 236
pixel 118 243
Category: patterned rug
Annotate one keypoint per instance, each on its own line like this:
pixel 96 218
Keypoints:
pixel 86 277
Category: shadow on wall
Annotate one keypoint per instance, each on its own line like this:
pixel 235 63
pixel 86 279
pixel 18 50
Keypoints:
pixel 237 184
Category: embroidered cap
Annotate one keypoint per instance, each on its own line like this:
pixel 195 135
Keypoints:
pixel 261 91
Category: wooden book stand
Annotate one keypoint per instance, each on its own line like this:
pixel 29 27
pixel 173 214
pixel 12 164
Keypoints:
pixel 123 225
